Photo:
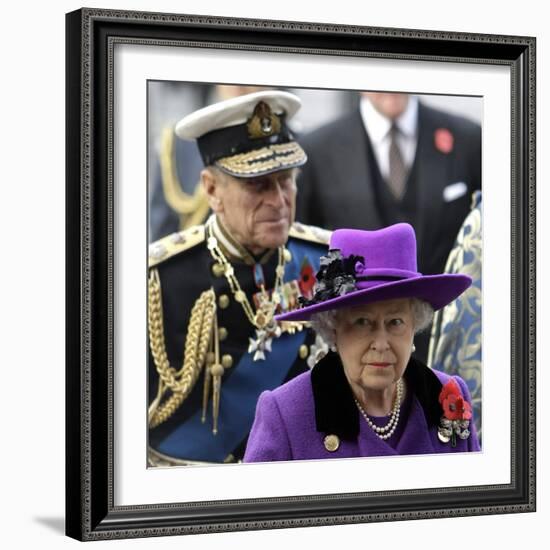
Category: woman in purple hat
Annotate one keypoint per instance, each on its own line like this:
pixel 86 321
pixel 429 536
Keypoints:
pixel 368 396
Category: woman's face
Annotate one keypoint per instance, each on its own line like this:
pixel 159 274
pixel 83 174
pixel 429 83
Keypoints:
pixel 374 342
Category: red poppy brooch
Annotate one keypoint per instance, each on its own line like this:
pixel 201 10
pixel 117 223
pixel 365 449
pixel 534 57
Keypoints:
pixel 306 282
pixel 444 140
pixel 457 413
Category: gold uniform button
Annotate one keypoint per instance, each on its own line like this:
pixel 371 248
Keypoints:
pixel 217 269
pixel 227 361
pixel 216 369
pixel 222 333
pixel 223 301
pixel 157 251
pixel 303 352
pixel 332 442
pixel 178 238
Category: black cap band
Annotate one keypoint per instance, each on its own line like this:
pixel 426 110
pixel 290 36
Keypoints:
pixel 234 140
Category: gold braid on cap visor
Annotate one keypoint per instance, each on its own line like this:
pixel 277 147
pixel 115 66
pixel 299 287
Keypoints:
pixel 268 158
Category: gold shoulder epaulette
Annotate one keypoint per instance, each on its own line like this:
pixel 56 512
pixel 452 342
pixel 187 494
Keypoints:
pixel 310 233
pixel 173 244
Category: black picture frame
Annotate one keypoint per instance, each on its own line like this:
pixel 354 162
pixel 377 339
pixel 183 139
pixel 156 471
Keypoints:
pixel 90 510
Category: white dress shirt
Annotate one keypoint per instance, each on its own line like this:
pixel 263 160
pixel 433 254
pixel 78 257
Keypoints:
pixel 378 129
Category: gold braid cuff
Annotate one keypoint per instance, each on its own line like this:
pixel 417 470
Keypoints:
pixel 199 333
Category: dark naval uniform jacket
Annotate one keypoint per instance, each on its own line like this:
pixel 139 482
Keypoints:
pixel 341 185
pixel 186 269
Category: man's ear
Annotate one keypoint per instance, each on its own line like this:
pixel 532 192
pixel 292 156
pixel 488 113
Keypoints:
pixel 210 181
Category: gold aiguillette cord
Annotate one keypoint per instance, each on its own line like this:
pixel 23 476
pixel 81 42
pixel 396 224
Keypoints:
pixel 213 374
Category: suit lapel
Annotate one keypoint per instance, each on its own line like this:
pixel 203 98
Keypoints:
pixel 430 168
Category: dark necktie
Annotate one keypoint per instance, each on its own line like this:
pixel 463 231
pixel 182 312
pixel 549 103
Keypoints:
pixel 398 172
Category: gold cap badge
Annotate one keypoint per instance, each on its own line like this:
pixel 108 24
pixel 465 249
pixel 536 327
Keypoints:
pixel 263 122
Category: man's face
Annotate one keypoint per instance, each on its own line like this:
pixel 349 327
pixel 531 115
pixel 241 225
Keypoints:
pixel 389 105
pixel 258 212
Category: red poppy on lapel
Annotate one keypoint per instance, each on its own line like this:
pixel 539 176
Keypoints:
pixel 444 140
pixel 455 407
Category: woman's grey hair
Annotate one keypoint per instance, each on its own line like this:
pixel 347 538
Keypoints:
pixel 324 323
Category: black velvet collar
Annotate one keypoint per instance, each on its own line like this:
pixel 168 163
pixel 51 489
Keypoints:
pixel 335 409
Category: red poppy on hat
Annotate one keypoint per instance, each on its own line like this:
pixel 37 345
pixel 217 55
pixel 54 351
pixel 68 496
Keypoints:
pixel 444 140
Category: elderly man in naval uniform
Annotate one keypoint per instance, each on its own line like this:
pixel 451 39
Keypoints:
pixel 214 289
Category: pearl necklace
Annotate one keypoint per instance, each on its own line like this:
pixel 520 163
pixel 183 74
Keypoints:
pixel 385 432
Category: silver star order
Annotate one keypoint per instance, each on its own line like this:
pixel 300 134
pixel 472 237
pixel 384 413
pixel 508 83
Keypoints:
pixel 261 345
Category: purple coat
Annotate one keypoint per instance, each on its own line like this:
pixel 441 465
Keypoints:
pixel 293 420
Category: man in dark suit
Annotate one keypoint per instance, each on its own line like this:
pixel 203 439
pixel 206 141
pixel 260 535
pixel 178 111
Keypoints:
pixel 394 160
pixel 346 181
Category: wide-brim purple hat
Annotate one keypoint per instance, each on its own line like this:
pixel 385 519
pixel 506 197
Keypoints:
pixel 369 266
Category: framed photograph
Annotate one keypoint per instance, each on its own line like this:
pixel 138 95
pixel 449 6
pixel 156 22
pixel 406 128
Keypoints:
pixel 121 67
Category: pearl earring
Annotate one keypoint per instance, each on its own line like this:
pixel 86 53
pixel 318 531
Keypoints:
pixel 413 348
